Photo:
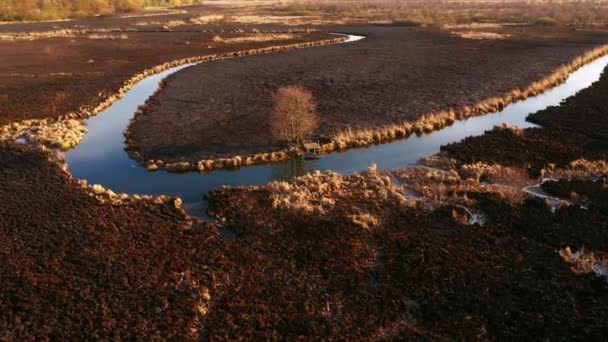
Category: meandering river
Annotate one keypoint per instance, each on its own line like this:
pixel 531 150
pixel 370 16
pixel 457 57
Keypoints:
pixel 100 157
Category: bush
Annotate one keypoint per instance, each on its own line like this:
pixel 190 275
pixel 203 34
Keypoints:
pixel 294 114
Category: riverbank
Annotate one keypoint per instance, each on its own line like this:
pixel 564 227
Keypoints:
pixel 201 128
pixel 523 268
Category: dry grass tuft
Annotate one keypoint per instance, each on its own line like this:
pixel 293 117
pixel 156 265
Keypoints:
pixel 262 37
pixel 439 187
pixel 367 221
pixel 318 193
pixel 108 36
pixel 64 134
pixel 580 169
pixel 481 35
pixel 585 262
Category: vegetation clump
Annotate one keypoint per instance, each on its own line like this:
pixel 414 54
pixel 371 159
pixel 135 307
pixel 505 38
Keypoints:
pixel 294 114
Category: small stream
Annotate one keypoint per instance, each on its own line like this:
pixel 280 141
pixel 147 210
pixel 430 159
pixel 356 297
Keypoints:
pixel 100 157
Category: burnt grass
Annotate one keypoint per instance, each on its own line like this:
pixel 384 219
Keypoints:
pixel 398 73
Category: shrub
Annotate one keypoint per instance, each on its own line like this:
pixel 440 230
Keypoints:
pixel 294 114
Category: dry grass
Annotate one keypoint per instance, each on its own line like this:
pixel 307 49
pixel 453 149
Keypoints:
pixel 262 37
pixel 438 12
pixel 438 187
pixel 579 169
pixel 65 33
pixel 586 262
pixel 108 36
pixel 64 134
pixel 318 193
pixel 481 35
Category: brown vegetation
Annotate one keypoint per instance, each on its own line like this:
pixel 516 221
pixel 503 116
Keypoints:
pixel 438 187
pixel 370 239
pixel 294 114
pixel 589 106
pixel 569 147
pixel 437 12
pixel 75 267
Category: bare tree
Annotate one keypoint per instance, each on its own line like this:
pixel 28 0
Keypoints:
pixel 294 114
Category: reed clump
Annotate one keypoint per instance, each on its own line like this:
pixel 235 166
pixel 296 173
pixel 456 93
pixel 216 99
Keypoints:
pixel 578 169
pixel 318 193
pixel 63 135
pixel 454 186
pixel 586 262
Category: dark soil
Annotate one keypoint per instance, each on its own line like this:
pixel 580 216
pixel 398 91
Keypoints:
pixel 71 268
pixel 589 192
pixel 397 73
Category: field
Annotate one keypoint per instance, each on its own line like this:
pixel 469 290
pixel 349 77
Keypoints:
pixel 69 68
pixel 410 72
pixel 500 236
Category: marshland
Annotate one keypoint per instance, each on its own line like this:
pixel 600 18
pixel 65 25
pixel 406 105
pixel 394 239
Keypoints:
pixel 319 169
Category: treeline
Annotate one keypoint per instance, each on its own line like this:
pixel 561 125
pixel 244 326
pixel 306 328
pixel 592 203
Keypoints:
pixel 59 9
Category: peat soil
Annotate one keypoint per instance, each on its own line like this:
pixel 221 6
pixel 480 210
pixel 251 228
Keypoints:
pixel 71 267
pixel 55 76
pixel 398 73
pixel 584 113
